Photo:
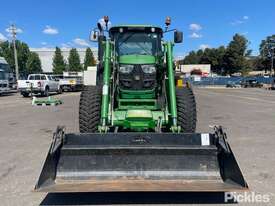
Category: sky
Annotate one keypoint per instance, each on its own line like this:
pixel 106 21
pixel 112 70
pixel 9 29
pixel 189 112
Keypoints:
pixel 205 23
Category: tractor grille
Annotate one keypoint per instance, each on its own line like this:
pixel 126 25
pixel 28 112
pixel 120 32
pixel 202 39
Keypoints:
pixel 3 85
pixel 137 79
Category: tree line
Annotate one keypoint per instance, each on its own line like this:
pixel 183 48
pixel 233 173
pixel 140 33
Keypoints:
pixel 29 62
pixel 235 57
pixel 73 63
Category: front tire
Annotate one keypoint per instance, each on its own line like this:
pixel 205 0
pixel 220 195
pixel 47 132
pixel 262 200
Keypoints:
pixel 60 90
pixel 25 94
pixel 46 92
pixel 89 109
pixel 186 109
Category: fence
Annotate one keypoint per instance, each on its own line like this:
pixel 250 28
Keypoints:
pixel 216 81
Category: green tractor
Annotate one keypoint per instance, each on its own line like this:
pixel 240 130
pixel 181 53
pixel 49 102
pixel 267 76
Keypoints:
pixel 137 130
pixel 136 91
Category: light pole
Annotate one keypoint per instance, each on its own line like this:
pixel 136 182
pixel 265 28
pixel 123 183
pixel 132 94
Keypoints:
pixel 272 60
pixel 13 30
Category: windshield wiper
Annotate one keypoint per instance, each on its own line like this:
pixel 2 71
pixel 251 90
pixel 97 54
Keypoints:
pixel 144 49
pixel 126 38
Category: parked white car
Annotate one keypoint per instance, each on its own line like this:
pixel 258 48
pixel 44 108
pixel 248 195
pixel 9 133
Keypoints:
pixel 38 84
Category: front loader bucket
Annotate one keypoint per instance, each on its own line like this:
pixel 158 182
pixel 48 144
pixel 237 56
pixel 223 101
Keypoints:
pixel 140 162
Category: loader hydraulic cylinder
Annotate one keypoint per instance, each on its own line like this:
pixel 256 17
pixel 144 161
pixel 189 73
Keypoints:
pixel 106 83
pixel 171 84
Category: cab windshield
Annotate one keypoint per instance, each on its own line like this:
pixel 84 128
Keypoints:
pixel 137 43
pixel 2 75
pixel 4 67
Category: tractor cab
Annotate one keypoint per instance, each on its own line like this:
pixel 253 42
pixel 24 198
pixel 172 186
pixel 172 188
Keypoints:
pixel 137 51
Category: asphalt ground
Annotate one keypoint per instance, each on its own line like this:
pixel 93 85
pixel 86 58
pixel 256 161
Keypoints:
pixel 248 116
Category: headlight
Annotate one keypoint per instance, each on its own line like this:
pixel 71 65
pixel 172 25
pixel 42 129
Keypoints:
pixel 148 69
pixel 126 69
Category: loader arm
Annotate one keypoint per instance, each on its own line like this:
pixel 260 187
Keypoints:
pixel 105 89
pixel 171 86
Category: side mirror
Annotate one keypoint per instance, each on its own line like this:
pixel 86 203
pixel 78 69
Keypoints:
pixel 94 35
pixel 178 37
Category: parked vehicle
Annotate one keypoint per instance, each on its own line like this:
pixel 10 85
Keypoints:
pixel 272 85
pixel 38 84
pixel 232 84
pixel 9 75
pixel 4 82
pixel 251 83
pixel 72 81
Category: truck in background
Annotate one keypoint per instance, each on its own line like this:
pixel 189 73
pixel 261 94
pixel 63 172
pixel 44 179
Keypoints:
pixel 38 84
pixel 4 82
pixel 72 81
pixel 9 75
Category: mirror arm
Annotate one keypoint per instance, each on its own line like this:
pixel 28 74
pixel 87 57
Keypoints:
pixel 170 30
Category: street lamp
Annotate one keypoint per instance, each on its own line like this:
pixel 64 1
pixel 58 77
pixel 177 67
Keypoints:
pixel 272 59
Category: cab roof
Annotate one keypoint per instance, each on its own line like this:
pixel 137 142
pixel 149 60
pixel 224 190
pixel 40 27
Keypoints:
pixel 135 27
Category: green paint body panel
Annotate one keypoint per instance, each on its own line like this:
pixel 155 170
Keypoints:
pixel 106 82
pixel 137 94
pixel 138 119
pixel 150 104
pixel 137 59
pixel 171 82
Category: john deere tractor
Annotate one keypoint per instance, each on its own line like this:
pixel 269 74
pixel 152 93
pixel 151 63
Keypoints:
pixel 137 131
pixel 136 91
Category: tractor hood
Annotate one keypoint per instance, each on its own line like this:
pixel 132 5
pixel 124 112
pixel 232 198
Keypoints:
pixel 137 59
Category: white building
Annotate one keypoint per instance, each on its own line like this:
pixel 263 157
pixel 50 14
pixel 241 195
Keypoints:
pixel 46 56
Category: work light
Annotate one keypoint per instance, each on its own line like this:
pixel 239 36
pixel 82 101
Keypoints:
pixel 126 68
pixel 148 69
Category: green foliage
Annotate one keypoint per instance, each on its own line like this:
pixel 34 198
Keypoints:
pixel 33 63
pixel 223 60
pixel 192 58
pixel 214 57
pixel 22 55
pixel 235 55
pixel 59 64
pixel 89 59
pixel 74 61
pixel 267 47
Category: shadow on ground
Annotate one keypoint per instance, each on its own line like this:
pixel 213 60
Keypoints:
pixel 134 198
pixel 7 94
